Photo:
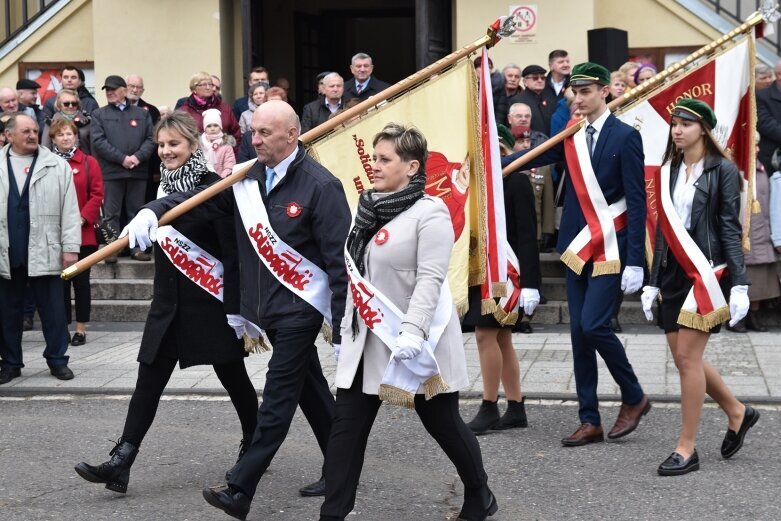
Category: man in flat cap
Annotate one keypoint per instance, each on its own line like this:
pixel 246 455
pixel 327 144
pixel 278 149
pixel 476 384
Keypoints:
pixel 602 242
pixel 542 101
pixel 27 93
pixel 121 137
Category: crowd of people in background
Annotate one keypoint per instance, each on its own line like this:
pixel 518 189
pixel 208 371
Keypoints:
pixel 116 168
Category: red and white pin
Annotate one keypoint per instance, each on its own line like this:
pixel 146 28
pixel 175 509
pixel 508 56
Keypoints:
pixel 381 237
pixel 294 209
pixel 76 170
pixel 133 123
pixel 26 170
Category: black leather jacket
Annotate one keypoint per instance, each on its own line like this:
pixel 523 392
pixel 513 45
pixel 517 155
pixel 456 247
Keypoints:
pixel 715 220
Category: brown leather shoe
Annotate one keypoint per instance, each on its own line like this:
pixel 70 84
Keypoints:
pixel 585 434
pixel 629 418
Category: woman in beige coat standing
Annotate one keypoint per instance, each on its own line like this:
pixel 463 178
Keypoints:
pixel 401 340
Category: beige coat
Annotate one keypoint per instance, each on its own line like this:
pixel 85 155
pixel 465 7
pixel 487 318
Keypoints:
pixel 55 220
pixel 409 269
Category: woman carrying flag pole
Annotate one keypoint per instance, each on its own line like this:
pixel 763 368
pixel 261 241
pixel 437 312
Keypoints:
pixel 697 256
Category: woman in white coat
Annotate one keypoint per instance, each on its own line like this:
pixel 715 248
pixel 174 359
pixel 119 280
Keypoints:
pixel 401 339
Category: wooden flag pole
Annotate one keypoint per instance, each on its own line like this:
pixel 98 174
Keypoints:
pixel 500 28
pixel 644 87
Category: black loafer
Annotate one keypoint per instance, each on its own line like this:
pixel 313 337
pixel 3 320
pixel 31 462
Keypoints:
pixel 61 372
pixel 78 339
pixel 676 465
pixel 733 441
pixel 9 373
pixel 228 499
pixel 313 489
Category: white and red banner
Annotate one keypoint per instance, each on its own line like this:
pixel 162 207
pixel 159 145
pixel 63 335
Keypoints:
pixel 726 83
pixel 195 263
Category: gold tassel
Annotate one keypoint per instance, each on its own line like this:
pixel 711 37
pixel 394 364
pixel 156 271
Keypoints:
pixel 255 345
pixel 395 396
pixel 504 318
pixel 328 334
pixel 499 289
pixel 755 206
pixel 487 306
pixel 435 385
pixel 572 261
pixel 462 306
pixel 703 323
pixel 610 267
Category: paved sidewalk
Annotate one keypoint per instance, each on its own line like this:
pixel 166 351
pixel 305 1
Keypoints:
pixel 750 364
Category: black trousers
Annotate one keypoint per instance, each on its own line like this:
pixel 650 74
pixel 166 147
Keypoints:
pixel 354 415
pixel 81 289
pixel 294 378
pixel 152 379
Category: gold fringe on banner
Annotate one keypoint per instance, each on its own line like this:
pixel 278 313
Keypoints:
pixel 487 306
pixel 433 386
pixel 328 333
pixel 255 345
pixel 504 318
pixel 572 261
pixel 462 306
pixel 499 289
pixel 703 322
pixel 395 396
pixel 611 267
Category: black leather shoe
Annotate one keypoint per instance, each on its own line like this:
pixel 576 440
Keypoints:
pixel 733 441
pixel 230 500
pixel 524 327
pixel 61 372
pixel 114 473
pixel 27 324
pixel 753 323
pixel 740 327
pixel 514 417
pixel 9 373
pixel 479 507
pixel 313 489
pixel 675 465
pixel 78 339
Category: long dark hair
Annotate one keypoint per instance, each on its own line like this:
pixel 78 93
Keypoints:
pixel 674 156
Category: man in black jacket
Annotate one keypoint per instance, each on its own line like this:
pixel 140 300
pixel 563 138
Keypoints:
pixel 307 209
pixel 73 79
pixel 769 120
pixel 363 84
pixel 318 111
pixel 542 101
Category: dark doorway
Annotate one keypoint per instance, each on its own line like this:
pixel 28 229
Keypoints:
pixel 297 39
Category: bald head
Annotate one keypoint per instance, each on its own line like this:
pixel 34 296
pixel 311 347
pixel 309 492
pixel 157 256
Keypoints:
pixel 275 131
pixel 9 102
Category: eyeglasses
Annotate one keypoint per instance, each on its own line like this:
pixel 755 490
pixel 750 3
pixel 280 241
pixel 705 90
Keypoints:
pixel 204 84
pixel 70 103
pixel 535 77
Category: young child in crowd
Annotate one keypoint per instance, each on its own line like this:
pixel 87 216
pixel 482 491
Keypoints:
pixel 217 147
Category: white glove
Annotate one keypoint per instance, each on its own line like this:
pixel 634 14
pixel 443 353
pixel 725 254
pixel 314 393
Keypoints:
pixel 142 229
pixel 650 293
pixel 530 297
pixel 408 346
pixel 243 326
pixel 738 304
pixel 632 279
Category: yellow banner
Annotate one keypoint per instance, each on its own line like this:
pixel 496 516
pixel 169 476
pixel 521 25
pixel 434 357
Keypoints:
pixel 444 109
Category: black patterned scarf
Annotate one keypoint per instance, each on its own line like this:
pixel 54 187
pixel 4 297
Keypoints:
pixel 67 155
pixel 186 177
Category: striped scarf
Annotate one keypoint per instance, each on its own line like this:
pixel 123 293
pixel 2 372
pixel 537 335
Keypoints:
pixel 373 214
pixel 67 155
pixel 186 177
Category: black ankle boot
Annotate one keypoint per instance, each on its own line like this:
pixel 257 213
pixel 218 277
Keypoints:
pixel 486 417
pixel 479 504
pixel 243 446
pixel 514 417
pixel 115 473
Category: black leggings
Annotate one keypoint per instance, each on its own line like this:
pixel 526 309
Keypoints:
pixel 353 418
pixel 81 290
pixel 152 379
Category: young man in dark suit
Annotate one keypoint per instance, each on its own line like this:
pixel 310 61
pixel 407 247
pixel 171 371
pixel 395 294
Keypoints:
pixel 605 162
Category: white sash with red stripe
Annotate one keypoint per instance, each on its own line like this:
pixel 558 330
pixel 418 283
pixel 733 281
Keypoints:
pixel 705 305
pixel 294 271
pixel 195 263
pixel 383 318
pixel 597 241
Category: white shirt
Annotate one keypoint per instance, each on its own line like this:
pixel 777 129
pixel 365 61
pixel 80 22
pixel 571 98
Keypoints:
pixel 557 85
pixel 598 124
pixel 281 169
pixel 684 190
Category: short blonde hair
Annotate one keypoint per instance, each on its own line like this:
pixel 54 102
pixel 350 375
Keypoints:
pixel 180 122
pixel 198 77
pixel 408 142
pixel 66 92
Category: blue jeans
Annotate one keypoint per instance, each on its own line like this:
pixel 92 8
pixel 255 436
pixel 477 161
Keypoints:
pixel 48 296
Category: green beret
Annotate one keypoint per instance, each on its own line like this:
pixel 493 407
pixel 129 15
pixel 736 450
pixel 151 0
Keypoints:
pixel 695 110
pixel 505 136
pixel 587 73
